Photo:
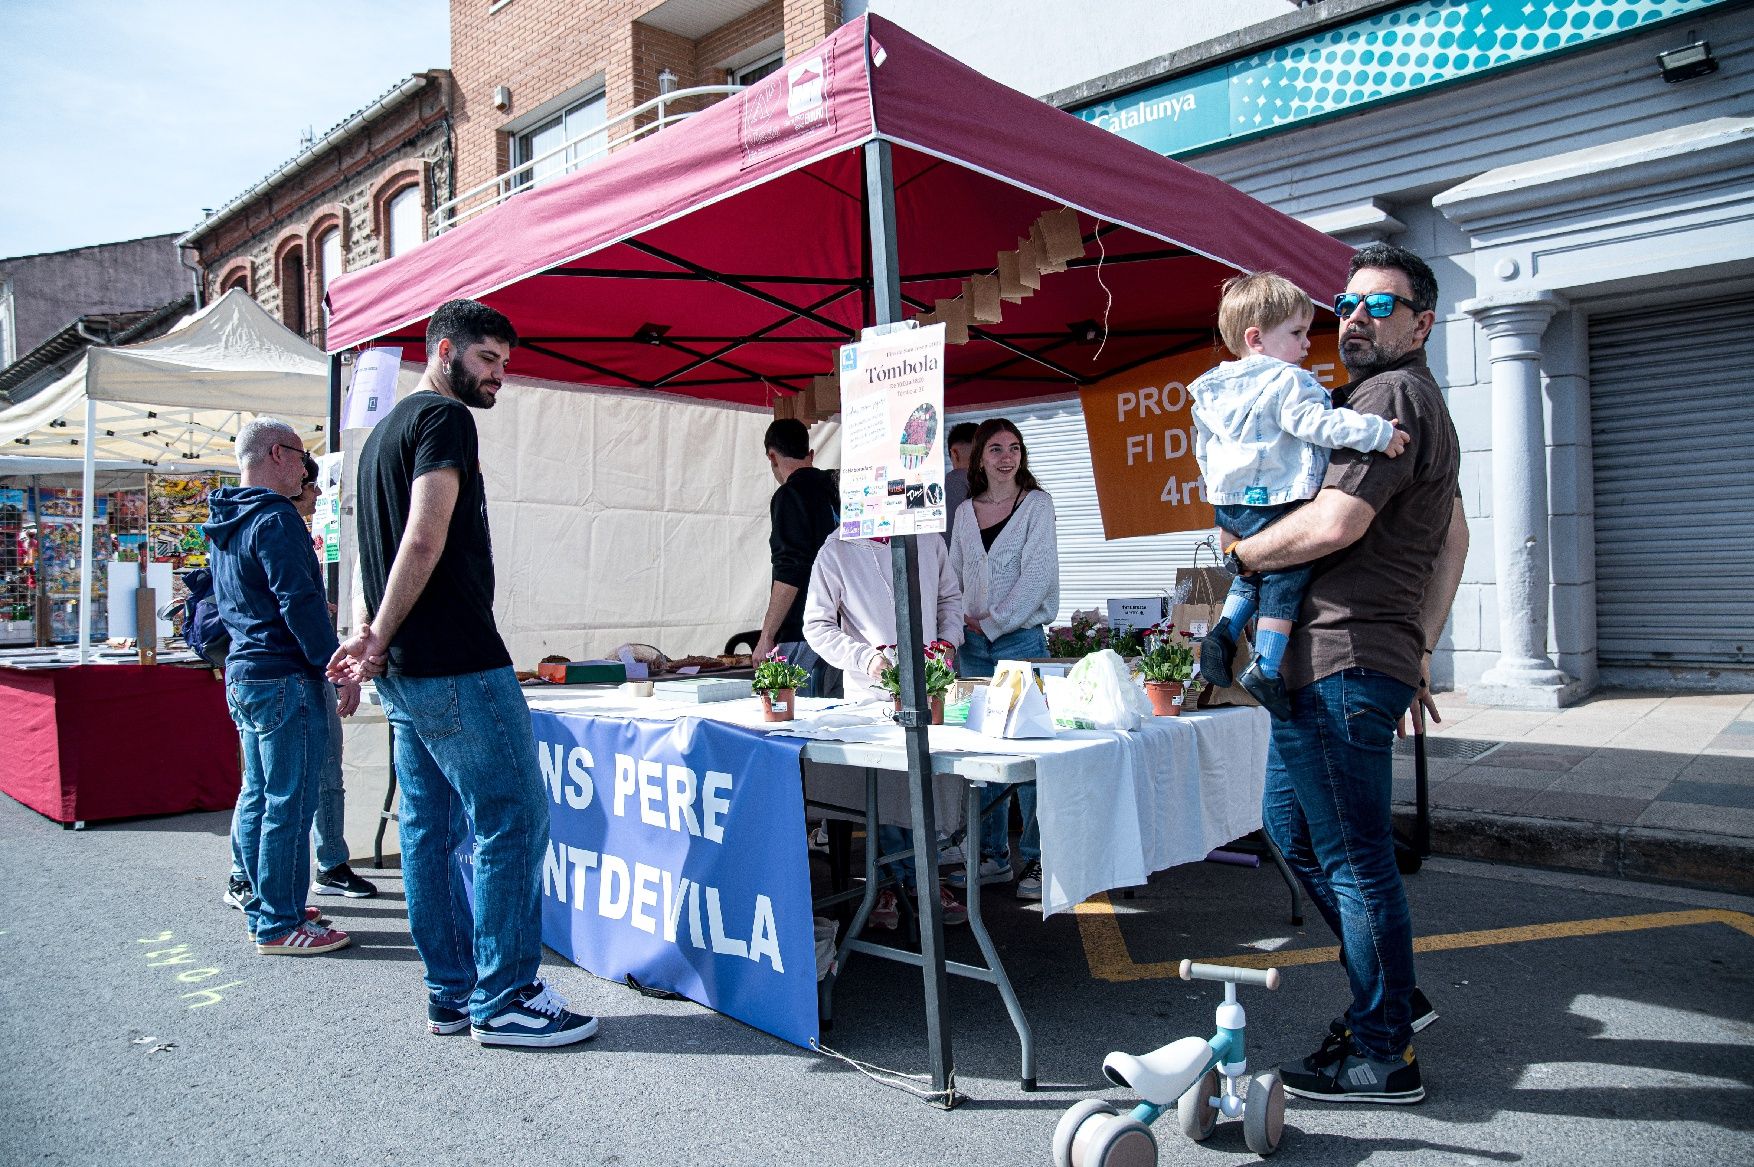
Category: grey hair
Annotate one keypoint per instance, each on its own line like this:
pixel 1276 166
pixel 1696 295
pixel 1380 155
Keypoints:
pixel 258 437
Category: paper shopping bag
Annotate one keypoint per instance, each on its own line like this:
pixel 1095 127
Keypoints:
pixel 1015 706
pixel 1206 589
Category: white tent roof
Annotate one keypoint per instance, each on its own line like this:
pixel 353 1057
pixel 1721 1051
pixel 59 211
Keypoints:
pixel 180 397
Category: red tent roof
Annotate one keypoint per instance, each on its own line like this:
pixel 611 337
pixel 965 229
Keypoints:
pixel 725 257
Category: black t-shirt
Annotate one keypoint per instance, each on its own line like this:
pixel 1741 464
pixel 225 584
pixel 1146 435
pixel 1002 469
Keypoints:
pixel 450 629
pixel 805 511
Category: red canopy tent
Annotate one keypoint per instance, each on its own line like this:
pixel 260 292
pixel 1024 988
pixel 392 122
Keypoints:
pixel 728 257
pixel 725 257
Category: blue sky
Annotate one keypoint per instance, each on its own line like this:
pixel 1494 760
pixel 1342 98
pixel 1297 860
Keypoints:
pixel 124 118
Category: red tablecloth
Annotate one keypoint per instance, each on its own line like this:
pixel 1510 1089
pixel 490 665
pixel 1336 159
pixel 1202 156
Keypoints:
pixel 112 741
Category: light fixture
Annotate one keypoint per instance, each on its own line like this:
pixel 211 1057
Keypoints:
pixel 1687 62
pixel 667 80
pixel 502 97
pixel 651 333
pixel 1085 332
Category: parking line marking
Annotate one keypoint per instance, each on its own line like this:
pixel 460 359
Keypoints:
pixel 1106 949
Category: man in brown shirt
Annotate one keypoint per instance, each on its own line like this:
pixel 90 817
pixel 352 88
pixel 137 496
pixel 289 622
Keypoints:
pixel 1386 538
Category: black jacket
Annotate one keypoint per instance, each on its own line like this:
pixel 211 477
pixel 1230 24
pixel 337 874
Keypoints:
pixel 805 511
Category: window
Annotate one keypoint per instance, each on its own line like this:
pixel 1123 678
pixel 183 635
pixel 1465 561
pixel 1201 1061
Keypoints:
pixel 575 122
pixel 292 290
pixel 751 73
pixel 407 220
pixel 329 258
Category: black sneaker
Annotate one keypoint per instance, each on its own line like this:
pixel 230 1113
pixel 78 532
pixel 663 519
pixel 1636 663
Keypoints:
pixel 1424 1013
pixel 238 892
pixel 1353 1077
pixel 442 1019
pixel 1215 653
pixel 537 1016
pixel 340 881
pixel 1269 691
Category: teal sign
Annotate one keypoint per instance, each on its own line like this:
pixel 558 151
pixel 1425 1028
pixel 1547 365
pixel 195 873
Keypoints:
pixel 1366 61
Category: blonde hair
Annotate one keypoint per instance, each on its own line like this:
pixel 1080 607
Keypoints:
pixel 1262 300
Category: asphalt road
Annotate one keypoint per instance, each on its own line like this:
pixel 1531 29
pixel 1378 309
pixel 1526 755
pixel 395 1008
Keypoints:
pixel 1630 1042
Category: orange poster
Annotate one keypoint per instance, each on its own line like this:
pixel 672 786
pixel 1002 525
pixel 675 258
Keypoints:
pixel 1142 441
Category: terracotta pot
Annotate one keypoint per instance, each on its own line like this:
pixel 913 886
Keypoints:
pixel 937 708
pixel 1166 697
pixel 779 704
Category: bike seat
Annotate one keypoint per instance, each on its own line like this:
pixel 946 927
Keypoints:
pixel 1164 1074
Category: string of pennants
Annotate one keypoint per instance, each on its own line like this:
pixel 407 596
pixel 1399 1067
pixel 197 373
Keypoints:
pixel 1054 239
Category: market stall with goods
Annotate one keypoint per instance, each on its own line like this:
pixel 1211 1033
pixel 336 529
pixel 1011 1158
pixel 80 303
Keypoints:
pixel 738 258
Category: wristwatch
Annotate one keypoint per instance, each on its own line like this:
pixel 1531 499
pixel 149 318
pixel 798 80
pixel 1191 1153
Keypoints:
pixel 1233 562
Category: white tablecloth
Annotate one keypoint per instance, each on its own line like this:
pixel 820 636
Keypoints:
pixel 1113 807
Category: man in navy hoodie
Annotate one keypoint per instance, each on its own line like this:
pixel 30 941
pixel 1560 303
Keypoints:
pixel 272 603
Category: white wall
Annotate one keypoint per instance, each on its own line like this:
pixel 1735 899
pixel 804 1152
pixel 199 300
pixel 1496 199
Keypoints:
pixel 1040 46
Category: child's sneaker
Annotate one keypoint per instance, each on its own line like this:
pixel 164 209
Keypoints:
pixel 1029 887
pixel 992 871
pixel 341 881
pixel 537 1016
pixel 954 912
pixel 885 914
pixel 1269 691
pixel 1215 652
pixel 442 1019
pixel 238 892
pixel 308 939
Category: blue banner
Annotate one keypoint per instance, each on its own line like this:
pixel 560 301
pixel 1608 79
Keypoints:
pixel 677 853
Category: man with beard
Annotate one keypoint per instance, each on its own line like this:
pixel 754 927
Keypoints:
pixel 465 751
pixel 1386 538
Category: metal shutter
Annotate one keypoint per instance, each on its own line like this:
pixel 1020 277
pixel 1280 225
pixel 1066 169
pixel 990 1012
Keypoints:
pixel 1672 419
pixel 1092 570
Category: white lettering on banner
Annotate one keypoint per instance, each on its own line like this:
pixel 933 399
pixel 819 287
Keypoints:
pixel 623 783
pixel 568 773
pixel 1171 107
pixel 645 895
pixel 713 806
pixel 650 775
pixel 681 783
pixel 612 888
pixel 1149 399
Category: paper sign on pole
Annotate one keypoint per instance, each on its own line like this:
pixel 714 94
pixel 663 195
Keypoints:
pixel 1141 429
pixel 373 391
pixel 326 520
pixel 892 434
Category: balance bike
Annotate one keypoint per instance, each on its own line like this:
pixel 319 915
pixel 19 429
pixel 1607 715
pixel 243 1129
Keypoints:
pixel 1094 1134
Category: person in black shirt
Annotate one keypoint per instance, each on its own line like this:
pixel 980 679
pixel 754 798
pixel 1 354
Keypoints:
pixel 465 750
pixel 805 511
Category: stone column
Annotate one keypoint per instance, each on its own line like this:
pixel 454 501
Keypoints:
pixel 1525 676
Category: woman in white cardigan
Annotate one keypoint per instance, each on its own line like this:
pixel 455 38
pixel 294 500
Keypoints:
pixel 1006 556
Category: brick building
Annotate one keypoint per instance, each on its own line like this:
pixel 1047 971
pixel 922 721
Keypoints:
pixel 533 75
pixel 362 192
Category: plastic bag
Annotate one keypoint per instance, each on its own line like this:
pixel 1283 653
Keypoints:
pixel 1101 695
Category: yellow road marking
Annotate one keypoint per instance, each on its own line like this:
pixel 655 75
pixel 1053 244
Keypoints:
pixel 1106 949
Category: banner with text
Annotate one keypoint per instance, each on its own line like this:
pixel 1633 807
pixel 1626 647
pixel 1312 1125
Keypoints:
pixel 892 434
pixel 677 853
pixel 1141 432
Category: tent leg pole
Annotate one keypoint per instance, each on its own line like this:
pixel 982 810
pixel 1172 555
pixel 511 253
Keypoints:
pixel 910 635
pixel 86 532
pixel 332 571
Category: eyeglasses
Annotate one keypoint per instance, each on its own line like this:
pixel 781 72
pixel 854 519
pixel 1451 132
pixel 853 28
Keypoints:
pixel 310 463
pixel 1379 304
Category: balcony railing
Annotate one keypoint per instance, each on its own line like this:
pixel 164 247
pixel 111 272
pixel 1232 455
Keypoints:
pixel 574 153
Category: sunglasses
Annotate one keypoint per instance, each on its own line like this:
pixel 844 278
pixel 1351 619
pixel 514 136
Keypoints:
pixel 1379 304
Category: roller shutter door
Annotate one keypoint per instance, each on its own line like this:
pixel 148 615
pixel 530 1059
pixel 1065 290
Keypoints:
pixel 1672 419
pixel 1092 569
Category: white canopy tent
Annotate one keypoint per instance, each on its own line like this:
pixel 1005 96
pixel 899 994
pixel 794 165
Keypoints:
pixel 175 401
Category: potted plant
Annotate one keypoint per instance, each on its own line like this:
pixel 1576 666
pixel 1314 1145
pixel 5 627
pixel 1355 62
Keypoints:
pixel 777 681
pixel 1167 668
pixel 940 675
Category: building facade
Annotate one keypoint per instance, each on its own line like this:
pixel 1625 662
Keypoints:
pixel 41 295
pixel 360 193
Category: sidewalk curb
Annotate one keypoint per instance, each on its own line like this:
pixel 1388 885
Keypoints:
pixel 1717 862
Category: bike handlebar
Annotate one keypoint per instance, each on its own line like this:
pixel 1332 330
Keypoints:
pixel 1223 972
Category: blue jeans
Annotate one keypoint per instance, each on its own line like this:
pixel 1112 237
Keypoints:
pixel 285 739
pixel 329 827
pixel 1326 807
pixel 825 679
pixel 465 754
pixel 1277 595
pixel 976 658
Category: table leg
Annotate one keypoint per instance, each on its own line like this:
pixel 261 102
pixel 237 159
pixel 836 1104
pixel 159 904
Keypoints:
pixel 978 927
pixel 825 987
pixel 1285 874
pixel 389 801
